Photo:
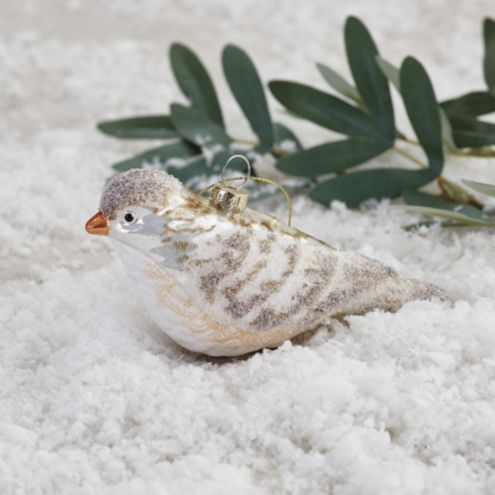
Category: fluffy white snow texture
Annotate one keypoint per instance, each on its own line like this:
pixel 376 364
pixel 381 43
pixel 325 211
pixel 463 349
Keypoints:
pixel 95 399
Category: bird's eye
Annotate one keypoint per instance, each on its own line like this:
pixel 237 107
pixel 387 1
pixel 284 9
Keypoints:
pixel 129 217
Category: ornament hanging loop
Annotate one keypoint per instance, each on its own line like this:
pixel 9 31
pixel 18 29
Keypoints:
pixel 245 177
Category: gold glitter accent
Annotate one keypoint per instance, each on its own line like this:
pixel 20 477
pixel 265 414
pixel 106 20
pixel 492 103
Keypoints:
pixel 196 203
pixel 269 223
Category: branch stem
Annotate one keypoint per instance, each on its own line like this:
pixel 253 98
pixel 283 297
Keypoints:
pixel 409 140
pixel 408 155
pixel 246 141
pixel 479 153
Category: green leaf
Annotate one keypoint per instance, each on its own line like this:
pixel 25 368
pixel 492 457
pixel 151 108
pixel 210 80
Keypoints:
pixel 159 156
pixel 193 169
pixel 195 83
pixel 472 133
pixel 415 198
pixel 247 89
pixel 393 75
pixel 489 57
pixel 390 71
pixel 196 127
pixel 324 109
pixel 146 127
pixel 422 110
pixel 199 170
pixel 330 157
pixel 481 187
pixel 454 216
pixel 370 81
pixel 471 104
pixel 284 137
pixel 378 183
pixel 337 82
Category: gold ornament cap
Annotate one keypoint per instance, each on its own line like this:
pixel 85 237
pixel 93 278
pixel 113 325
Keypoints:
pixel 229 198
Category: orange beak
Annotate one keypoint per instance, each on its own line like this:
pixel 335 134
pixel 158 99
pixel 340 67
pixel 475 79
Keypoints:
pixel 97 225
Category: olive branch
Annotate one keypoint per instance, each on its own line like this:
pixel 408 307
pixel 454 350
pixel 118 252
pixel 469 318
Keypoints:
pixel 197 143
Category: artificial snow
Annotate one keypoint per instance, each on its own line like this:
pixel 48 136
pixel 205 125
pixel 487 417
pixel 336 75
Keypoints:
pixel 95 399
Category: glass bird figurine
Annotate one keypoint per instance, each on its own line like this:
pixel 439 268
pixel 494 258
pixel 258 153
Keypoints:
pixel 226 281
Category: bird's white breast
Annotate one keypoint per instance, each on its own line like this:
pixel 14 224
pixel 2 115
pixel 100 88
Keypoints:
pixel 167 303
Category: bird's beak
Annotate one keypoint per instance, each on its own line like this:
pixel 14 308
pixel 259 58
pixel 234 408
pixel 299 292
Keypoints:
pixel 97 225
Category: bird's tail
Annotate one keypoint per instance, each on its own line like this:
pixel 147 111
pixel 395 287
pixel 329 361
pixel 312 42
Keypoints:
pixel 390 295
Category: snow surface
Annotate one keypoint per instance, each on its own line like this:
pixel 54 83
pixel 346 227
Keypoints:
pixel 95 399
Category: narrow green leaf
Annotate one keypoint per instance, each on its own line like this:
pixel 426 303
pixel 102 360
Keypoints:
pixel 196 127
pixel 472 133
pixel 193 169
pixel 450 215
pixel 489 57
pixel 370 81
pixel 146 127
pixel 393 75
pixel 194 81
pixel 337 82
pixel 471 104
pixel 159 156
pixel 488 189
pixel 324 109
pixel 247 89
pixel 379 183
pixel 330 157
pixel 285 138
pixel 390 71
pixel 416 198
pixel 422 110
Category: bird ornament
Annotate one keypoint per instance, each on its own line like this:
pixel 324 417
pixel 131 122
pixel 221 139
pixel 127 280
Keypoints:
pixel 224 280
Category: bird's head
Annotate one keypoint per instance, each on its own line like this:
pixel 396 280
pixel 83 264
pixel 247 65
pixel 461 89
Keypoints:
pixel 132 205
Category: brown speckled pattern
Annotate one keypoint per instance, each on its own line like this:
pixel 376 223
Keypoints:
pixel 135 187
pixel 314 282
